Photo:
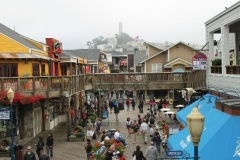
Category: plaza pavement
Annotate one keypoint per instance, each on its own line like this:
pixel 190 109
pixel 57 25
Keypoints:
pixel 64 150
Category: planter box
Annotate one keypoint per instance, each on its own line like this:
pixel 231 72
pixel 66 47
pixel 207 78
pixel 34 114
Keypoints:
pixel 62 118
pixel 77 139
pixel 49 125
pixel 5 154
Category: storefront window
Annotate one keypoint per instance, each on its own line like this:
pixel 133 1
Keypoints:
pixel 54 109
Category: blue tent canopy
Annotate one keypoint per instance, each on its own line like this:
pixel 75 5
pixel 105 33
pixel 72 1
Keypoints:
pixel 220 139
pixel 204 107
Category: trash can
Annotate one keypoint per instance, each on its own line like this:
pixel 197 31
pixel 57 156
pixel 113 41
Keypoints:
pixel 120 106
pixel 18 152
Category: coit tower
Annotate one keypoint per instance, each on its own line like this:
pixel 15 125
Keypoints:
pixel 120 28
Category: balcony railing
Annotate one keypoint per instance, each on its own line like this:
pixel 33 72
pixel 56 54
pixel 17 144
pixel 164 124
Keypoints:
pixel 216 69
pixel 233 69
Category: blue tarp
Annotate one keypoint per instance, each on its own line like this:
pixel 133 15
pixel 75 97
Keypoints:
pixel 204 107
pixel 220 139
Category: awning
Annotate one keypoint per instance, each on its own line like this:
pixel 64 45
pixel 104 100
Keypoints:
pixel 220 139
pixel 190 90
pixel 22 56
pixel 204 107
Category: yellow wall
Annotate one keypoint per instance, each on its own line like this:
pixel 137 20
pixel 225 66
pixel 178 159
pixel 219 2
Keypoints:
pixel 40 53
pixel 9 45
pixel 40 46
pixel 24 68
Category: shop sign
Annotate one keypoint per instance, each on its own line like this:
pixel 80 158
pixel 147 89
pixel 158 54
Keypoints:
pixel 4 114
pixel 85 61
pixel 57 48
pixel 80 60
pixel 199 62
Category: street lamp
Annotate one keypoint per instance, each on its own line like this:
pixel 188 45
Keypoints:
pixel 195 123
pixel 10 96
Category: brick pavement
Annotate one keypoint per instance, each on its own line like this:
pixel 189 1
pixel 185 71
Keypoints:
pixel 64 150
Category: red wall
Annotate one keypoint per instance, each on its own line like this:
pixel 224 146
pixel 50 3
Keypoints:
pixel 55 67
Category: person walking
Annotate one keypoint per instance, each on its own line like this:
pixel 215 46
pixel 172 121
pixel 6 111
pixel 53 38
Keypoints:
pixel 144 130
pixel 72 114
pixel 88 148
pixel 43 156
pixel 138 154
pixel 140 106
pixel 49 145
pixel 89 129
pixel 133 104
pixel 29 155
pixel 139 121
pixel 157 140
pixel 151 152
pixel 128 104
pixel 116 112
pixel 98 127
pixel 39 146
pixel 164 103
pixel 135 128
pixel 159 108
pixel 128 124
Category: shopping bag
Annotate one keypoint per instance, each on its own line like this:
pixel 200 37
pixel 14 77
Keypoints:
pixel 130 131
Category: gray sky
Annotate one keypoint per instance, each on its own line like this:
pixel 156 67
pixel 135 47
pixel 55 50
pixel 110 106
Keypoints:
pixel 74 22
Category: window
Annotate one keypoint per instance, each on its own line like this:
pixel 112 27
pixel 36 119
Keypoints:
pixel 64 70
pixel 35 68
pixel 8 70
pixel 43 68
pixel 156 68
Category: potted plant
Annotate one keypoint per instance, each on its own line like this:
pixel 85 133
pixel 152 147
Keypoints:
pixel 5 148
pixel 217 62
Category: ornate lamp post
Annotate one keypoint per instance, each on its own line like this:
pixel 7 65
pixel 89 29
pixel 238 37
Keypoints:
pixel 195 122
pixel 10 95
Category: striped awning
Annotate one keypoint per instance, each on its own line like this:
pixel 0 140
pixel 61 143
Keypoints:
pixel 22 56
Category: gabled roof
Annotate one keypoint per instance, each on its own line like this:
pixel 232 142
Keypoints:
pixel 177 59
pixel 33 40
pixel 147 43
pixel 16 36
pixel 89 54
pixel 65 54
pixel 168 49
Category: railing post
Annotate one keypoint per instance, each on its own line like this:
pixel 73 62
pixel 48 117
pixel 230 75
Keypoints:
pixel 48 86
pixel 18 85
pixel 62 85
pixel 34 85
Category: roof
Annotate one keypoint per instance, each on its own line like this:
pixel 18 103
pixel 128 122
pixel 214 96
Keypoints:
pixel 140 56
pixel 114 53
pixel 169 48
pixel 223 12
pixel 89 54
pixel 16 36
pixel 176 59
pixel 65 54
pixel 22 56
pixel 151 45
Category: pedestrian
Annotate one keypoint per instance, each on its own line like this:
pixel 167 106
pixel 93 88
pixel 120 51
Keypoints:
pixel 89 129
pixel 144 130
pixel 72 114
pixel 135 128
pixel 151 104
pixel 116 112
pixel 157 140
pixel 155 112
pixel 98 127
pixel 139 121
pixel 164 103
pixel 140 106
pixel 119 137
pixel 151 131
pixel 84 117
pixel 128 104
pixel 43 156
pixel 88 148
pixel 128 124
pixel 39 146
pixel 138 154
pixel 159 108
pixel 117 94
pixel 49 145
pixel 154 102
pixel 133 104
pixel 152 121
pixel 120 156
pixel 111 105
pixel 29 155
pixel 151 152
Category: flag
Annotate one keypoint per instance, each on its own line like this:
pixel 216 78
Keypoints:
pixel 88 43
pixel 136 38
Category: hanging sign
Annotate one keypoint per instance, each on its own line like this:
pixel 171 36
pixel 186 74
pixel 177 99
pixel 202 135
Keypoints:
pixel 199 62
pixel 4 114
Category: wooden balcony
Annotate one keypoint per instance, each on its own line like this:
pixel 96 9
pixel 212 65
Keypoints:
pixel 216 69
pixel 50 86
pixel 233 69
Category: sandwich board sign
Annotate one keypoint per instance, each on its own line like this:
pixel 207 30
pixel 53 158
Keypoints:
pixel 199 62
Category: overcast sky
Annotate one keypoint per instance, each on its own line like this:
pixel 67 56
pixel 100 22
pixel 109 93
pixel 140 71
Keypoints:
pixel 74 22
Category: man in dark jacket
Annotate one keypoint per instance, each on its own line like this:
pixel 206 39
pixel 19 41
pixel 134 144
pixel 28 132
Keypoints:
pixel 50 144
pixel 29 155
pixel 43 156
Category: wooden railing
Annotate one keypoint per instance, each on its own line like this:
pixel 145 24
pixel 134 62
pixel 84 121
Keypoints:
pixel 57 85
pixel 216 69
pixel 233 69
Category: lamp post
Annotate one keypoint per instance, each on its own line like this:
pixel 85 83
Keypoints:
pixel 10 96
pixel 195 123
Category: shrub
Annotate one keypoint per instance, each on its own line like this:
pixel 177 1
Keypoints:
pixel 217 62
pixel 81 130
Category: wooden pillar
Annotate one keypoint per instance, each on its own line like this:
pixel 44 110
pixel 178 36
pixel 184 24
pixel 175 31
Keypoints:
pixel 68 118
pixel 99 104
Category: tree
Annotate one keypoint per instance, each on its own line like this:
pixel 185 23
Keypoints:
pixel 98 41
pixel 123 38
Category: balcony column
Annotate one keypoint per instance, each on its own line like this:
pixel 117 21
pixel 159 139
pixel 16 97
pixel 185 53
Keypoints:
pixel 225 47
pixel 210 55
pixel 237 62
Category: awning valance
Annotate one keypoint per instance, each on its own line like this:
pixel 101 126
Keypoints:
pixel 22 56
